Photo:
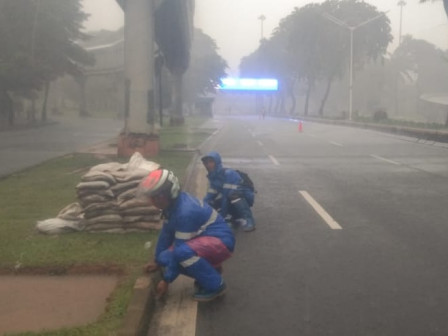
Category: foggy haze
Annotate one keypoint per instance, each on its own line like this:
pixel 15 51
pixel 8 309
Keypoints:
pixel 235 26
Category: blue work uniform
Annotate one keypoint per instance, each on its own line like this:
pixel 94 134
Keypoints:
pixel 194 241
pixel 226 192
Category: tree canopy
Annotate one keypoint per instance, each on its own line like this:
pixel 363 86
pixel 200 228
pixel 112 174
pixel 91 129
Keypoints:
pixel 311 48
pixel 206 69
pixel 39 43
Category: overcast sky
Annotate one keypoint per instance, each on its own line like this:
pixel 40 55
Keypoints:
pixel 235 26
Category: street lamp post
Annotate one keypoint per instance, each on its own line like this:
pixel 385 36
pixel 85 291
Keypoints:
pixel 401 3
pixel 351 29
pixel 261 18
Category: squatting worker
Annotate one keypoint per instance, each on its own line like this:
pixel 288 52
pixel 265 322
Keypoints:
pixel 227 193
pixel 194 239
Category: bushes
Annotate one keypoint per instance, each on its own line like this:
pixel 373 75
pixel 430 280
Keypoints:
pixel 380 115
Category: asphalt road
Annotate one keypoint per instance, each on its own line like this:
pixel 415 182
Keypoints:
pixel 351 239
pixel 20 149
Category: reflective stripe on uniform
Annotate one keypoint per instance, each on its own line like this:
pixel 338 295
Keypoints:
pixel 185 235
pixel 230 186
pixel 191 235
pixel 235 200
pixel 212 191
pixel 189 261
pixel 211 220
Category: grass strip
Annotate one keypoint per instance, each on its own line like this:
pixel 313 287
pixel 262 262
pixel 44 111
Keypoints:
pixel 42 191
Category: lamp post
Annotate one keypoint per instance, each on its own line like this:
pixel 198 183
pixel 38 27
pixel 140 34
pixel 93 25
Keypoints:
pixel 351 29
pixel 261 18
pixel 401 3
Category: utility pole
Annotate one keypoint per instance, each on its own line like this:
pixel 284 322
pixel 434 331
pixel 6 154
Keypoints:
pixel 261 18
pixel 401 3
pixel 351 29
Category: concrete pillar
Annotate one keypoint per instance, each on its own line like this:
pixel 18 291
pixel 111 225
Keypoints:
pixel 140 131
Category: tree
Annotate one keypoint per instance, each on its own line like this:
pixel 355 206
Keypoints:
pixel 271 60
pixel 38 41
pixel 323 48
pixel 311 49
pixel 206 68
pixel 445 4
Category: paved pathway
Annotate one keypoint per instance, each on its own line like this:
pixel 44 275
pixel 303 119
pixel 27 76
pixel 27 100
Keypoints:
pixel 20 149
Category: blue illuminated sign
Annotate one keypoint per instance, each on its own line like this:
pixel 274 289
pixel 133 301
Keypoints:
pixel 251 84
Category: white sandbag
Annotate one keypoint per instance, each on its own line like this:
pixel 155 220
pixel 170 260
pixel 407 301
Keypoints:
pixel 138 162
pixel 95 185
pixel 59 225
pixel 109 167
pixel 72 212
pixel 133 203
pixel 97 175
pixel 127 195
pixel 87 192
pixel 123 186
pixel 103 219
pixel 141 211
pixel 133 219
pixel 101 206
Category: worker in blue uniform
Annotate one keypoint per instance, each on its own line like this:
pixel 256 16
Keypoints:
pixel 227 193
pixel 194 239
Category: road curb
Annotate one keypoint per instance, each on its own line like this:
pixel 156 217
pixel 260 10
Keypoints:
pixel 141 307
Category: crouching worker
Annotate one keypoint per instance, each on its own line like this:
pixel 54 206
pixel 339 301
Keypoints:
pixel 227 192
pixel 194 239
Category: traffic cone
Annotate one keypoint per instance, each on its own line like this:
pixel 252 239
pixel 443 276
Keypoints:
pixel 300 126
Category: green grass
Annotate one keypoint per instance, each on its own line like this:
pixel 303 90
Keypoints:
pixel 41 192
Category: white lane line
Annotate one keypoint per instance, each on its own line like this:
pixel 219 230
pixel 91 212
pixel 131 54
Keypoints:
pixel 316 206
pixel 385 160
pixel 273 159
pixel 336 144
pixel 260 143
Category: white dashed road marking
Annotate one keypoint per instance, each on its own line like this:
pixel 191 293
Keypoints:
pixel 385 160
pixel 274 160
pixel 336 144
pixel 318 208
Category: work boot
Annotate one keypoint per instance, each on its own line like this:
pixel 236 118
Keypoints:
pixel 245 217
pixel 246 225
pixel 204 295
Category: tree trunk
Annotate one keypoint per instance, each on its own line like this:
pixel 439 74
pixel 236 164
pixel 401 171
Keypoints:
pixel 271 104
pixel 83 101
pixel 282 104
pixel 307 100
pixel 293 99
pixel 33 110
pixel 325 97
pixel 44 105
pixel 6 107
pixel 177 117
pixel 277 104
pixel 446 120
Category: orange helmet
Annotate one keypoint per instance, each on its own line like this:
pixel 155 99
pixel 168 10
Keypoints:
pixel 158 181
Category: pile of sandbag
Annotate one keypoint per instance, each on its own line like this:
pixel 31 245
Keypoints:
pixel 107 196
pixel 107 200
